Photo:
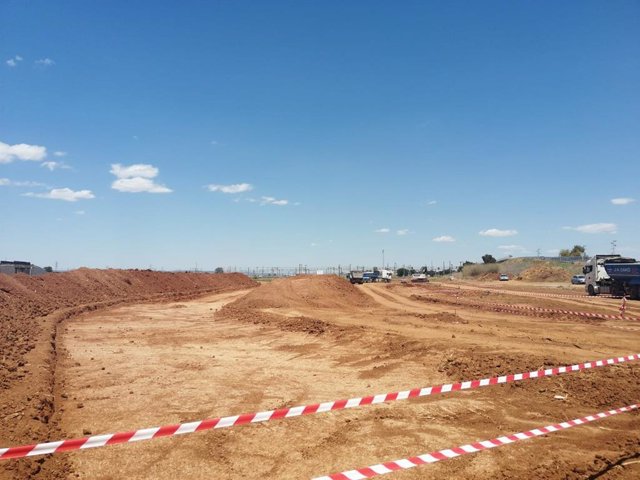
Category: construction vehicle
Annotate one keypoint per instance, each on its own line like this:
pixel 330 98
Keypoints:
pixel 356 276
pixel 614 275
pixel 378 276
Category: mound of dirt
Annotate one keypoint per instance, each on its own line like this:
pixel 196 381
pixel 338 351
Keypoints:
pixel 545 273
pixel 31 307
pixel 314 291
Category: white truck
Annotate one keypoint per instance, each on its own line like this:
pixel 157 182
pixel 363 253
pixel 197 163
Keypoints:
pixel 612 274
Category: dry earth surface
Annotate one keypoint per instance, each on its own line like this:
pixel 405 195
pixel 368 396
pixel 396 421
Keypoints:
pixel 234 349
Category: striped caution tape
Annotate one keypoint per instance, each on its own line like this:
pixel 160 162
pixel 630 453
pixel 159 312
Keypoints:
pixel 603 316
pixel 437 456
pixel 225 422
pixel 530 294
pixel 504 307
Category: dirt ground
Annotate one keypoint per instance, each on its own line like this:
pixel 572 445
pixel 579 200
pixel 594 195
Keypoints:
pixel 311 339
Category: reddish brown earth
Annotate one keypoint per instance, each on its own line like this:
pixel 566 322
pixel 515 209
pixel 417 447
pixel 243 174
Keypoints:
pixel 311 339
pixel 30 310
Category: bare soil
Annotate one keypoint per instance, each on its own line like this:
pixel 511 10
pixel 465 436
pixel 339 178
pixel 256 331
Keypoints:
pixel 31 308
pixel 312 339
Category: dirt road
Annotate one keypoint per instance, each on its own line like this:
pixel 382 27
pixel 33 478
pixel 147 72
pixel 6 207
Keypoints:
pixel 312 339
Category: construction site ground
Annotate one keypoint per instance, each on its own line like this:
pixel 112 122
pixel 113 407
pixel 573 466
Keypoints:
pixel 309 339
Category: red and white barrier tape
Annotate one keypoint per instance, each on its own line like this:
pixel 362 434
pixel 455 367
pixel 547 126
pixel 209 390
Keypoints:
pixel 511 308
pixel 529 294
pixel 223 422
pixel 603 316
pixel 437 456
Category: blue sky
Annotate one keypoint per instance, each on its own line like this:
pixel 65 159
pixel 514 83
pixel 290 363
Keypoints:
pixel 278 133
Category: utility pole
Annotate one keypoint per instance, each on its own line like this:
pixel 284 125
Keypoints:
pixel 383 258
pixel 613 246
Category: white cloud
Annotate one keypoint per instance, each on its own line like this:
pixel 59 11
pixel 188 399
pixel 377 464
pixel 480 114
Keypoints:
pixel 45 62
pixel 513 248
pixel 595 228
pixel 137 178
pixel 139 185
pixel 79 212
pixel 382 230
pixel 21 151
pixel 432 202
pixel 494 232
pixel 51 165
pixel 404 231
pixel 12 62
pixel 60 153
pixel 136 170
pixel 313 244
pixel 5 182
pixel 444 238
pixel 622 201
pixel 273 201
pixel 65 194
pixel 234 188
pixel 214 142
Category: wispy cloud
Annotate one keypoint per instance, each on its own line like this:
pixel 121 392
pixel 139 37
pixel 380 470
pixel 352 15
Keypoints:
pixel 79 212
pixel 21 151
pixel 432 202
pixel 382 230
pixel 404 231
pixel 137 178
pixel 512 248
pixel 65 194
pixel 595 228
pixel 494 232
pixel 45 62
pixel 444 238
pixel 273 201
pixel 51 165
pixel 5 182
pixel 13 62
pixel 233 188
pixel 60 153
pixel 622 201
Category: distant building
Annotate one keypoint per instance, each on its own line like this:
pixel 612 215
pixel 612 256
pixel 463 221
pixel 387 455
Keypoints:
pixel 15 266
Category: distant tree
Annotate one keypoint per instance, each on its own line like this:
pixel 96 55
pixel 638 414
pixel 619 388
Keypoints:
pixel 48 269
pixel 219 270
pixel 405 272
pixel 487 258
pixel 576 251
pixel 467 262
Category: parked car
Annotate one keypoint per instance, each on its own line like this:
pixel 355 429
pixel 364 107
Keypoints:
pixel 504 277
pixel 419 278
pixel 578 280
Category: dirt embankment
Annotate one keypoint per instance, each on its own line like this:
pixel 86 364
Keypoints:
pixel 544 273
pixel 306 291
pixel 31 308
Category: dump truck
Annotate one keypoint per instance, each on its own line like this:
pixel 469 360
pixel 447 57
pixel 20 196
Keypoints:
pixel 356 276
pixel 614 275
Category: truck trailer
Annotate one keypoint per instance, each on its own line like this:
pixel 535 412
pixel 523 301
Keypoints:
pixel 614 275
